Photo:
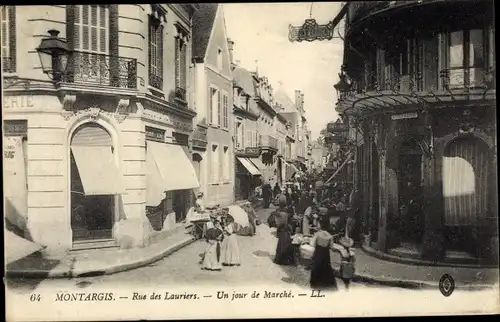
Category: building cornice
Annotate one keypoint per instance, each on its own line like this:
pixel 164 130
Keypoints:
pixel 245 113
pixel 165 106
pixel 179 14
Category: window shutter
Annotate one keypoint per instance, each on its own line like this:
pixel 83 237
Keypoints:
pixel 12 37
pixel 151 51
pixel 159 51
pixel 219 108
pixel 210 106
pixel 183 64
pixel 177 62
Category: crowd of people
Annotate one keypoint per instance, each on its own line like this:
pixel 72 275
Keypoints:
pixel 320 218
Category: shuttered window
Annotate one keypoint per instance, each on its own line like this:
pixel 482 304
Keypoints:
pixel 225 111
pixel 180 63
pixel 214 107
pixel 9 39
pixel 91 26
pixel 219 108
pixel 155 53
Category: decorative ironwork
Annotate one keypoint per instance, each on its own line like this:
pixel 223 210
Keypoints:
pixel 8 65
pixel 311 31
pixel 100 69
pixel 180 93
pixel 268 142
pixel 155 81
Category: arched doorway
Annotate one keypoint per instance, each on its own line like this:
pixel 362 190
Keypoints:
pixel 409 174
pixel 375 213
pixel 466 172
pixel 95 184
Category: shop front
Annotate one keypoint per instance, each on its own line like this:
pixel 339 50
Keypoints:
pixel 248 177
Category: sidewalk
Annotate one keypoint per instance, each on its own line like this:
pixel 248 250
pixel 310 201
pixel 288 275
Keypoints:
pixel 102 261
pixel 372 270
pixel 99 262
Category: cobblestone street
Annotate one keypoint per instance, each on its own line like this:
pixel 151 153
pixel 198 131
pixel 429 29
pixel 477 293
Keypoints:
pixel 182 267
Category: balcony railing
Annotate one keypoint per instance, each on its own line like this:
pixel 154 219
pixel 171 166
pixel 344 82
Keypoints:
pixel 101 69
pixel 467 78
pixel 156 81
pixel 269 142
pixel 180 93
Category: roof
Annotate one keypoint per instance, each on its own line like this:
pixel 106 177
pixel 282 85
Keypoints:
pixel 282 98
pixel 243 78
pixel 203 22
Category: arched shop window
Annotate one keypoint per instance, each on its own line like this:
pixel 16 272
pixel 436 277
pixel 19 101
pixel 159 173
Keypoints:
pixel 95 184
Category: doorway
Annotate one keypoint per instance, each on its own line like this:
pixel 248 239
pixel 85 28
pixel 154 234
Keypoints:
pixel 410 193
pixel 92 212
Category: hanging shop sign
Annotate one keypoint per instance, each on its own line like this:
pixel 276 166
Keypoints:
pixel 252 150
pixel 311 31
pixel 334 127
pixel 404 116
pixel 155 134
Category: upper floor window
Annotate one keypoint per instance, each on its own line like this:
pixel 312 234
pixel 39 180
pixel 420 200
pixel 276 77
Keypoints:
pixel 91 28
pixel 465 58
pixel 225 111
pixel 181 50
pixel 155 53
pixel 8 39
pixel 219 59
pixel 215 107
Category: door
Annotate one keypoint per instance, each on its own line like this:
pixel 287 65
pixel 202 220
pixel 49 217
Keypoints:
pixel 410 192
pixel 375 194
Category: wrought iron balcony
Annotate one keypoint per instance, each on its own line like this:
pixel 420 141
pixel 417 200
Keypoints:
pixel 268 142
pixel 467 78
pixel 156 81
pixel 8 65
pixel 100 69
pixel 180 93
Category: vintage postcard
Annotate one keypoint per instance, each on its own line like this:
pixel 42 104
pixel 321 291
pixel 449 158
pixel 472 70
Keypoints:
pixel 249 160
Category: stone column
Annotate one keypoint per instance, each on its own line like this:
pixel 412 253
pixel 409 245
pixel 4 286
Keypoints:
pixel 382 224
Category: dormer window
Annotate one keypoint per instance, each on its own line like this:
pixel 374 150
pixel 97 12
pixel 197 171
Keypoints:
pixel 219 59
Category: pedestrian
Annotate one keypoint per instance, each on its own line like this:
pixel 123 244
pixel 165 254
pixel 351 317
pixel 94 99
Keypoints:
pixel 230 246
pixel 284 251
pixel 308 218
pixel 276 190
pixel 322 275
pixel 214 237
pixel 267 193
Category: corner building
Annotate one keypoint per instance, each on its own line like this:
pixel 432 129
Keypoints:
pixel 422 98
pixel 106 147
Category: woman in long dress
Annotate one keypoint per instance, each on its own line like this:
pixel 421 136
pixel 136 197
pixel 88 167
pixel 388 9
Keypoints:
pixel 230 247
pixel 322 275
pixel 284 250
pixel 212 257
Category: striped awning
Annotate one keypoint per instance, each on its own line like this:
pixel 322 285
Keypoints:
pixel 251 168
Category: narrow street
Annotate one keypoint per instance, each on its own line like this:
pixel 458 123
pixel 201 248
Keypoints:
pixel 182 267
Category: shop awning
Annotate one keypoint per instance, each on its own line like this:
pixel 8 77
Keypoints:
pixel 17 247
pixel 251 168
pixel 291 169
pixel 172 165
pixel 258 163
pixel 98 171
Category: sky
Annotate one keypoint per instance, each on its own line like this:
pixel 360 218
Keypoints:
pixel 260 33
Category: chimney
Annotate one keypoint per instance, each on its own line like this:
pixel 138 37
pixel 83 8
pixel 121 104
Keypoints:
pixel 230 47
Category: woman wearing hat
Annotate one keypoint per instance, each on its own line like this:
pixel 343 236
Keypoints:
pixel 214 235
pixel 284 250
pixel 322 276
pixel 230 246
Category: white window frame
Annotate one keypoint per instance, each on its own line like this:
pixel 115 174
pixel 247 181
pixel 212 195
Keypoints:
pixel 225 110
pixel 79 25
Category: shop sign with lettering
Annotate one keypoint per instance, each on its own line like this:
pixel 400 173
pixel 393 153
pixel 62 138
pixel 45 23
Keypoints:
pixel 177 123
pixel 412 115
pixel 18 102
pixel 252 150
pixel 334 127
pixel 155 134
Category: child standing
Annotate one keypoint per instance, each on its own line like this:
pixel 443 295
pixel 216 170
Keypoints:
pixel 297 240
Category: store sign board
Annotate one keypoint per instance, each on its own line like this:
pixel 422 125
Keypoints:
pixel 404 116
pixel 252 150
pixel 15 128
pixel 337 127
pixel 155 134
pixel 18 102
pixel 311 31
pixel 178 124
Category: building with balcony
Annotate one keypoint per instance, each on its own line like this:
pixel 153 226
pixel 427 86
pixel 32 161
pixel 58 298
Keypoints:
pixel 213 100
pixel 245 134
pixel 98 131
pixel 418 88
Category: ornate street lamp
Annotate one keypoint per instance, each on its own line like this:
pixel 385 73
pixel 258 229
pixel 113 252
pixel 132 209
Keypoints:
pixel 53 52
pixel 342 87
